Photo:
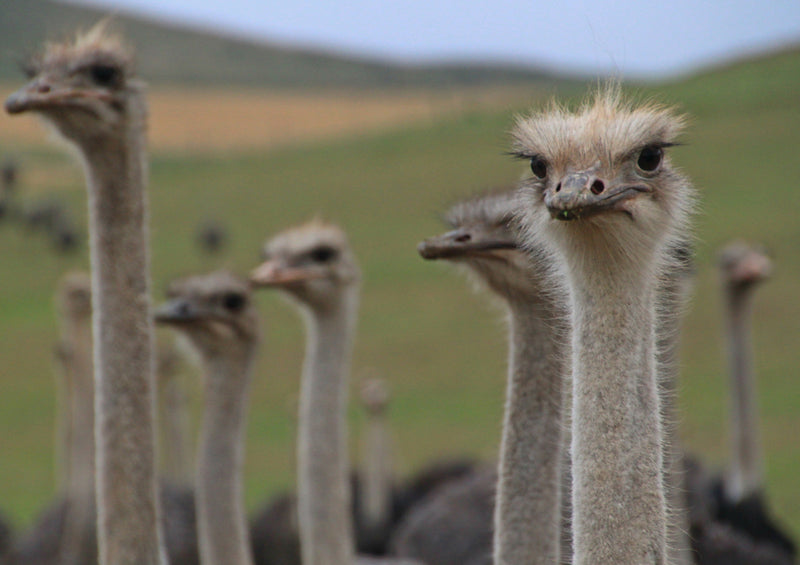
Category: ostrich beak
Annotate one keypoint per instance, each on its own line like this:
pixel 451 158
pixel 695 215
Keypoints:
pixel 176 311
pixel 30 96
pixel 462 242
pixel 580 195
pixel 39 94
pixel 277 273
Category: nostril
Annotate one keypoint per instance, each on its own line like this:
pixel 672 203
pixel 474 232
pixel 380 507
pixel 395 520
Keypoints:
pixel 558 187
pixel 597 187
pixel 463 238
pixel 43 88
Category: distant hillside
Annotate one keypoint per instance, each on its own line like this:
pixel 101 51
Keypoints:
pixel 744 85
pixel 168 53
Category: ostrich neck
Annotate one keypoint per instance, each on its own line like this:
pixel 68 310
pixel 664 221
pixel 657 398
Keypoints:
pixel 128 531
pixel 376 499
pixel 222 526
pixel 81 450
pixel 173 422
pixel 528 508
pixel 746 459
pixel 618 496
pixel 326 533
pixel 672 296
pixel 77 369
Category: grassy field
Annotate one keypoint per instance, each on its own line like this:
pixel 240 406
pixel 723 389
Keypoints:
pixel 440 346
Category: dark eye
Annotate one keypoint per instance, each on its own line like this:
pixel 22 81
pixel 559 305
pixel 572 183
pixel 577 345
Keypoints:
pixel 650 158
pixel 322 254
pixel 539 167
pixel 233 301
pixel 104 75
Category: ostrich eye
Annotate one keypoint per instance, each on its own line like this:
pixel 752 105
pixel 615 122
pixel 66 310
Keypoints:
pixel 650 158
pixel 322 254
pixel 104 75
pixel 539 167
pixel 233 301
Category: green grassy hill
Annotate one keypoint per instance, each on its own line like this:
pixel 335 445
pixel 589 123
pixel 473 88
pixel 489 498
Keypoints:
pixel 174 54
pixel 438 344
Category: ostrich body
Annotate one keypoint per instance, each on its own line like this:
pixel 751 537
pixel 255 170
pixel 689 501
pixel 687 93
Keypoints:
pixel 86 89
pixel 452 526
pixel 527 523
pixel 315 266
pixel 216 313
pixel 608 200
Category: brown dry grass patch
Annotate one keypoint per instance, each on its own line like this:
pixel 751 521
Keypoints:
pixel 189 120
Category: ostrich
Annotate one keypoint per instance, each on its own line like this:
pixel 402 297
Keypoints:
pixel 315 266
pixel 375 501
pixel 380 502
pixel 742 268
pixel 216 313
pixel 211 236
pixel 608 200
pixel 64 532
pixel 86 89
pixel 75 305
pixel 527 522
pixel 738 528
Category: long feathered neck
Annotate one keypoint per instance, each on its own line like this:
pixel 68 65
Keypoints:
pixel 618 498
pixel 77 369
pixel 746 468
pixel 222 525
pixel 528 509
pixel 326 533
pixel 673 293
pixel 128 531
pixel 377 491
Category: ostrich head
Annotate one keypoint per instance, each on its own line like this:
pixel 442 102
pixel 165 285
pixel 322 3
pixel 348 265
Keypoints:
pixel 75 296
pixel 744 265
pixel 484 238
pixel 602 184
pixel 313 263
pixel 375 396
pixel 85 88
pixel 215 311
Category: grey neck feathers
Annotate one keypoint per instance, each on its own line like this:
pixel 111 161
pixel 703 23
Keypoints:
pixel 673 294
pixel 174 424
pixel 376 499
pixel 77 369
pixel 221 517
pixel 528 507
pixel 128 514
pixel 326 532
pixel 618 497
pixel 745 474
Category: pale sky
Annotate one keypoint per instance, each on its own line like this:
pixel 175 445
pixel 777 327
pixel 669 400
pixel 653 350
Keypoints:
pixel 631 38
